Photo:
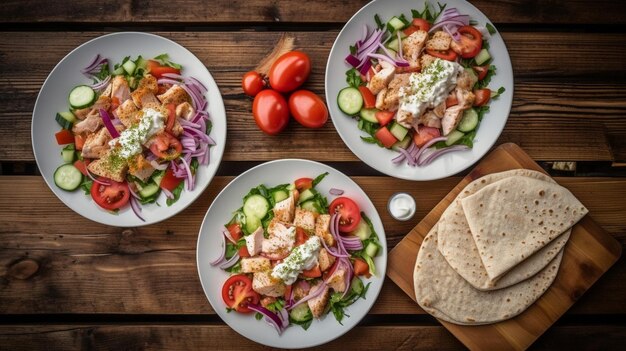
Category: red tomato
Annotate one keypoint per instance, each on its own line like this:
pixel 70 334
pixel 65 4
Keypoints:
pixel 270 111
pixel 482 96
pixel 368 98
pixel 470 42
pixel 385 137
pixel 64 136
pixel 451 100
pixel 384 117
pixel 157 70
pixel 410 30
pixel 237 293
pixel 445 55
pixel 252 83
pixel 110 197
pixel 289 71
pixel 481 71
pixel 235 231
pixel 166 146
pixel 308 109
pixel 287 292
pixel 79 141
pixel 303 183
pixel 349 212
pixel 314 272
pixel 171 117
pixel 424 135
pixel 421 24
pixel 301 236
pixel 361 267
pixel 169 181
pixel 82 167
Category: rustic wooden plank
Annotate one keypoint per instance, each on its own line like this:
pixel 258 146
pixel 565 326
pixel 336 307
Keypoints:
pixel 317 11
pixel 71 265
pixel 551 117
pixel 221 337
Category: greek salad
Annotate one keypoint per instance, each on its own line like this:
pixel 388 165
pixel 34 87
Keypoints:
pixel 292 257
pixel 140 129
pixel 420 86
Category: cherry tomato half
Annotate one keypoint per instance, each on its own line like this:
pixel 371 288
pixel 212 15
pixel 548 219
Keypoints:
pixel 308 109
pixel 166 146
pixel 252 83
pixel 289 71
pixel 449 55
pixel 237 293
pixel 270 111
pixel 482 96
pixel 303 183
pixel 470 42
pixel 424 135
pixel 481 71
pixel 155 68
pixel 110 197
pixel 235 231
pixel 349 212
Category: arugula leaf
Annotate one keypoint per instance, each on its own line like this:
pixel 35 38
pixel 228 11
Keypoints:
pixel 491 29
pixel 103 73
pixel 193 166
pixel 353 49
pixel 164 60
pixel 426 14
pixel 373 239
pixel 353 78
pixel 319 178
pixel 176 192
pixel 258 316
pixel 209 127
pixel 276 305
pixel 337 303
pixel 231 250
pixel 485 82
pixel 86 185
pixel 498 92
pixel 379 23
pixel 370 140
pixel 234 269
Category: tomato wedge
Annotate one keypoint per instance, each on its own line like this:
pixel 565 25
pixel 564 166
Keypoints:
pixel 349 212
pixel 79 141
pixel 384 117
pixel 451 100
pixel 361 267
pixel 303 184
pixel 470 42
pixel 166 146
pixel 481 71
pixel 482 96
pixel 110 197
pixel 64 136
pixel 301 236
pixel 421 24
pixel 424 135
pixel 449 55
pixel 368 98
pixel 314 272
pixel 155 68
pixel 237 293
pixel 170 181
pixel 82 167
pixel 235 231
pixel 385 137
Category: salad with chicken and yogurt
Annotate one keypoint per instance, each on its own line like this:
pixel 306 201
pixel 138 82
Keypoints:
pixel 420 86
pixel 140 129
pixel 292 257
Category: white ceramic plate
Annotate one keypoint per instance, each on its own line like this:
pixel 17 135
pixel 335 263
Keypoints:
pixel 380 158
pixel 209 246
pixel 53 98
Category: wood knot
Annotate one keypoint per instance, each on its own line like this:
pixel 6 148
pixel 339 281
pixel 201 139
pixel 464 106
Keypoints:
pixel 24 269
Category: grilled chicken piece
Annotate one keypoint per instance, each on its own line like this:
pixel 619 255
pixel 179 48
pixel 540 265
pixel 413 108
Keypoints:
pixel 305 220
pixel 174 95
pixel 281 240
pixel 127 113
pixel 466 80
pixel 337 280
pixel 143 97
pixel 451 118
pixel 465 97
pixel 322 229
pixel 139 167
pixel 185 111
pixel 426 60
pixel 405 118
pixel 103 102
pixel 318 304
pixel 149 82
pixel 440 109
pixel 255 264
pixel 264 284
pixel 98 143
pixel 380 80
pixel 285 210
pixel 88 125
pixel 440 41
pixel 325 259
pixel 120 89
pixel 109 166
pixel 389 98
pixel 429 119
pixel 301 289
pixel 254 241
pixel 412 48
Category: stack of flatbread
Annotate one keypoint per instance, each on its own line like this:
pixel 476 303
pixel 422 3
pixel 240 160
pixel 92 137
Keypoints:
pixel 496 249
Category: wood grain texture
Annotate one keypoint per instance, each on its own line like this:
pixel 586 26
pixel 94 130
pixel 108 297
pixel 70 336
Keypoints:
pixel 217 12
pixel 220 337
pixel 69 264
pixel 558 104
pixel 589 253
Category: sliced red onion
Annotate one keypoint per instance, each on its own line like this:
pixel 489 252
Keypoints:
pixel 332 252
pixel 404 155
pixel 353 61
pixel 388 59
pixel 158 166
pixel 220 259
pixel 198 83
pixel 364 33
pixel 168 81
pixel 398 159
pixel 101 182
pixel 452 31
pixel 184 122
pixel 395 59
pixel 133 193
pixel 335 191
pixel 313 293
pixel 440 152
pixel 189 174
pixel 231 262
pixel 102 84
pixel 228 236
pixel 106 119
pixel 427 145
pixel 136 207
pixel 167 193
pixel 373 39
pixel 194 99
pixel 367 64
pixel 270 317
pixel 172 75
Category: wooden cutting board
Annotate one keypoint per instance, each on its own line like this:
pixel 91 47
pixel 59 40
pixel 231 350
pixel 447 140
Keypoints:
pixel 590 252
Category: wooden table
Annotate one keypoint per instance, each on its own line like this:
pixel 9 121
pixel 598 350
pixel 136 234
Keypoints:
pixel 69 283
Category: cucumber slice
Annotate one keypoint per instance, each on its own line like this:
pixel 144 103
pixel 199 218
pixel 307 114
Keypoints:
pixel 82 96
pixel 482 57
pixel 68 177
pixel 453 137
pixel 371 249
pixel 256 206
pixel 402 144
pixel 311 205
pixel 395 23
pixel 118 71
pixel 369 114
pixel 68 153
pixel 357 285
pixel 398 131
pixel 129 66
pixel 469 121
pixel 158 177
pixel 65 119
pixel 350 101
pixel 252 223
pixel 141 63
pixel 363 230
pixel 306 195
pixel 149 190
pixel 301 313
pixel 280 195
pixel 394 45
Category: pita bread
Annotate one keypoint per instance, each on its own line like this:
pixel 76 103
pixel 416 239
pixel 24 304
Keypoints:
pixel 515 217
pixel 456 244
pixel 446 295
